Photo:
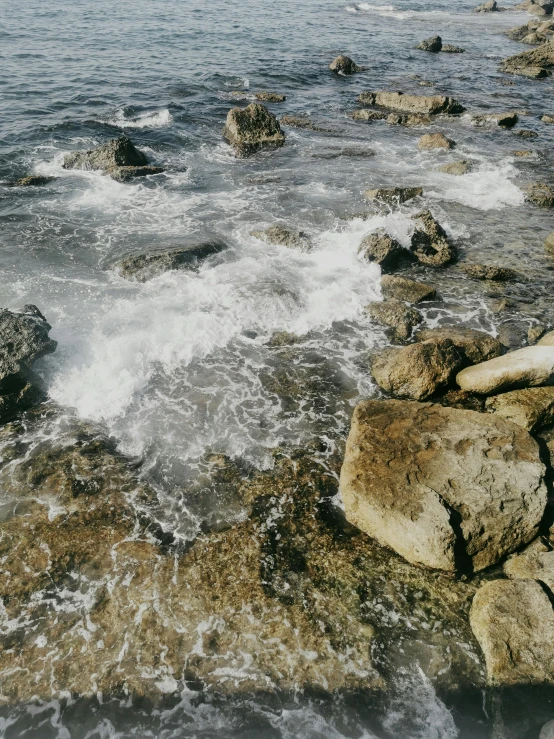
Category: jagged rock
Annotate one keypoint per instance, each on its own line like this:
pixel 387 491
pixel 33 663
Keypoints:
pixel 473 346
pixel 513 621
pixel 435 141
pixel 398 316
pixel 452 49
pixel 430 243
pixel 491 6
pixel 418 371
pixel 421 104
pixel 489 272
pixel 144 267
pixel 433 44
pixel 457 168
pixel 124 174
pixel 393 195
pixel 401 288
pixel 547 339
pixel 504 120
pixel 529 367
pixel 344 65
pixel 438 485
pixel 532 408
pixel 540 194
pixel 270 97
pixel 535 63
pixel 33 181
pixel 284 237
pixel 119 152
pixel 381 248
pixel 251 129
pixel 539 9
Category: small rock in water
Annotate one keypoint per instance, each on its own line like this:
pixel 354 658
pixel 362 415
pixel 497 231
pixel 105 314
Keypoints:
pixel 33 181
pixel 489 272
pixel 251 129
pixel 474 346
pixel 124 174
pixel 540 194
pixel 549 243
pixel 144 267
pixel 119 152
pixel 280 236
pixel 435 141
pixel 301 122
pixel 531 408
pixel 344 65
pixel 526 134
pixel 368 115
pixel 457 168
pixel 382 249
pixel 420 104
pixel 398 316
pixel 433 44
pixel 504 120
pixel 270 97
pixel 451 49
pixel 522 153
pixel 547 118
pixel 430 243
pixel 402 288
pixel 529 367
pixel 393 195
pixel 491 6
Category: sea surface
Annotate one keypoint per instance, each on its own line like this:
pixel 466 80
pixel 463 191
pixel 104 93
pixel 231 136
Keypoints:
pixel 179 368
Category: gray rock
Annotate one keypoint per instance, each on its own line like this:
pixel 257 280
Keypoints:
pixel 540 194
pixel 251 129
pixel 33 181
pixel 124 174
pixel 398 316
pixel 420 104
pixel 435 141
pixel 144 267
pixel 402 288
pixel 23 339
pixel 489 272
pixel 393 195
pixel 531 408
pixel 457 168
pixel 344 65
pixel 532 366
pixel 430 243
pixel 119 152
pixel 382 249
pixel 451 49
pixel 549 243
pixel 513 622
pixel 473 346
pixel 504 120
pixel 449 489
pixel 280 236
pixel 547 731
pixel 433 44
pixel 417 371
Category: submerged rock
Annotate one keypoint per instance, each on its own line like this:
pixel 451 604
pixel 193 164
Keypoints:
pixel 430 244
pixel 303 122
pixel 436 484
pixel 398 316
pixel 382 249
pixel 457 168
pixel 344 65
pixel 489 272
pixel 393 195
pixel 33 181
pixel 402 288
pixel 270 97
pixel 284 237
pixel 529 367
pixel 531 408
pixel 119 152
pixel 473 346
pixel 144 267
pixel 433 44
pixel 251 129
pixel 124 174
pixel 419 104
pixel 452 49
pixel 435 141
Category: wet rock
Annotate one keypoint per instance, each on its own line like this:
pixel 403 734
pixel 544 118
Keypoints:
pixel 547 339
pixel 430 243
pixel 251 129
pixel 472 345
pixel 452 49
pixel 394 195
pixel 526 134
pixel 305 123
pixel 353 152
pixel 344 65
pixel 489 272
pixel 491 6
pixel 522 153
pixel 547 118
pixel 119 152
pixel 124 174
pixel 435 141
pixel 513 621
pixel 535 333
pixel 549 243
pixel 457 168
pixel 531 408
pixel 529 367
pixel 419 104
pixel 270 97
pixel 282 338
pixel 436 484
pixel 398 316
pixel 504 120
pixel 409 121
pixel 382 249
pixel 418 371
pixel 535 63
pixel 144 267
pixel 367 115
pixel 540 194
pixel 280 236
pixel 540 10
pixel 33 181
pixel 433 44
pixel 401 288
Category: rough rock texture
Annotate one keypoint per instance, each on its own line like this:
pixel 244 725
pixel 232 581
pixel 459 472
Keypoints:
pixel 398 316
pixel 449 489
pixel 452 49
pixel 270 97
pixel 528 367
pixel 474 346
pixel 144 267
pixel 284 237
pixel 402 288
pixel 252 128
pixel 119 152
pixel 393 195
pixel 33 181
pixel 422 104
pixel 457 168
pixel 504 120
pixel 430 243
pixel 433 44
pixel 532 408
pixel 491 6
pixel 540 194
pixel 547 339
pixel 535 63
pixel 344 65
pixel 381 248
pixel 549 243
pixel 302 122
pixel 124 174
pixel 513 621
pixel 536 562
pixel 489 272
pixel 418 371
pixel 435 141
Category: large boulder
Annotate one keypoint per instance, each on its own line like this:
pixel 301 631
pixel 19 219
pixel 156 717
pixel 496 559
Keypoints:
pixel 430 244
pixel 144 267
pixel 532 408
pixel 402 288
pixel 382 249
pixel 422 104
pixel 433 44
pixel 344 65
pixel 119 152
pixel 417 371
pixel 280 236
pixel 474 346
pixel 529 367
pixel 252 128
pixel 396 315
pixel 449 489
pixel 513 621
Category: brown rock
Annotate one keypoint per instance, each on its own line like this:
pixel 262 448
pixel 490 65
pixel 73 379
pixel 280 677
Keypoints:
pixel 402 288
pixel 531 408
pixel 489 272
pixel 435 141
pixel 430 243
pixel 474 346
pixel 251 129
pixel 280 236
pixel 457 168
pixel 421 104
pixel 396 315
pixel 540 194
pixel 344 65
pixel 381 248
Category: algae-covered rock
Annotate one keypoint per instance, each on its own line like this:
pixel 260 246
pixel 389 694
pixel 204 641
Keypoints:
pixel 344 65
pixel 473 345
pixel 433 44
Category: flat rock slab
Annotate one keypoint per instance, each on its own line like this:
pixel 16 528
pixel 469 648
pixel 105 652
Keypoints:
pixel 402 288
pixel 423 104
pixel 528 367
pixel 449 489
pixel 144 267
pixel 531 408
pixel 513 621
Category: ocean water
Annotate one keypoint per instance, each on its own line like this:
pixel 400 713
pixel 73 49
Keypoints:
pixel 179 368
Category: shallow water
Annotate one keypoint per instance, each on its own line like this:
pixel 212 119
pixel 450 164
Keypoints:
pixel 180 368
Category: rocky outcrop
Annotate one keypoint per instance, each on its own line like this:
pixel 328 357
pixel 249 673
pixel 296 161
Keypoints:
pixel 418 104
pixel 513 621
pixel 402 288
pixel 251 129
pixel 144 267
pixel 535 63
pixel 473 346
pixel 531 408
pixel 396 315
pixel 433 44
pixel 489 272
pixel 449 489
pixel 457 168
pixel 119 152
pixel 33 181
pixel 382 249
pixel 430 244
pixel 419 371
pixel 435 141
pixel 280 236
pixel 540 194
pixel 529 367
pixel 393 195
pixel 344 65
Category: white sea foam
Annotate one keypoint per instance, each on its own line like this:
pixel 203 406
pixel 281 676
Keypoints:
pixel 150 119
